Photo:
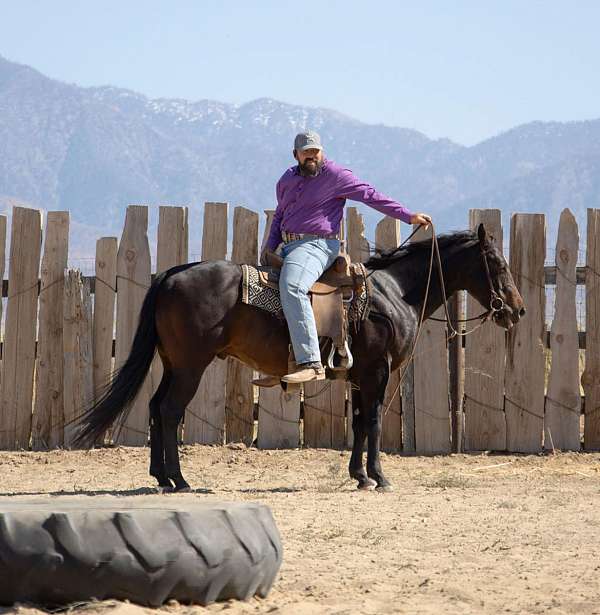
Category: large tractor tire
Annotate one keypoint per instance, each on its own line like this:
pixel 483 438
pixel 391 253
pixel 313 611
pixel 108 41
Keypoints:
pixel 55 551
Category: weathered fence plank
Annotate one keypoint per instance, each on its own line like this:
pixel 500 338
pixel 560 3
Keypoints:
pixel 278 411
pixel 356 243
pixel 591 375
pixel 432 410
pixel 349 412
pixel 3 220
pixel 563 400
pixel 171 247
pixel 407 390
pixel 133 281
pixel 239 408
pixel 335 422
pixel 387 236
pixel 77 349
pixel 278 418
pixel 485 353
pixel 456 365
pixel 48 415
pixel 325 405
pixel 205 415
pixel 171 250
pixel 325 421
pixel 524 379
pixel 20 330
pixel 104 311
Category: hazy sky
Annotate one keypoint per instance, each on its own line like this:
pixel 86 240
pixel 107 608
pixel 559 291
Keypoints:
pixel 456 68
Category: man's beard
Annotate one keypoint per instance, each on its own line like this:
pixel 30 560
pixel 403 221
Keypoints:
pixel 310 170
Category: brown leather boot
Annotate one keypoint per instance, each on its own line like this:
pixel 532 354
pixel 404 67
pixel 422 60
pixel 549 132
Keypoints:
pixel 306 372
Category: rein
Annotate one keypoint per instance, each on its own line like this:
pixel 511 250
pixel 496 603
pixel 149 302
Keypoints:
pixel 496 302
pixel 496 305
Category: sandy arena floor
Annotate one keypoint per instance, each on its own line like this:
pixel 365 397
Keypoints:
pixel 461 534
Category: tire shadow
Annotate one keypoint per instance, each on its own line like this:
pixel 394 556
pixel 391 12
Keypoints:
pixel 116 492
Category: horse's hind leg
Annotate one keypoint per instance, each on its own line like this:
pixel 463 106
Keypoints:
pixel 157 452
pixel 182 387
pixel 359 429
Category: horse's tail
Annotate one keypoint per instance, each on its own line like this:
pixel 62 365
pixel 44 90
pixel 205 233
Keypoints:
pixel 119 394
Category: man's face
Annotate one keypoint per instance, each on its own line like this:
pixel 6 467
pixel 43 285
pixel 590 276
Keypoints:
pixel 310 161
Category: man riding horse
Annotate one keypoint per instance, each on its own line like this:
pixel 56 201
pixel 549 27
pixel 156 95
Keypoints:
pixel 310 204
pixel 195 312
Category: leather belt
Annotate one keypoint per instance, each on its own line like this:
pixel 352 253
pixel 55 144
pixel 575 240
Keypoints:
pixel 288 237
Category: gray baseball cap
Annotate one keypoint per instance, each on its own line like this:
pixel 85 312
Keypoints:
pixel 308 139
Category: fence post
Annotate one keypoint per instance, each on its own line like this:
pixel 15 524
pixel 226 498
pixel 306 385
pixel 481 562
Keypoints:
pixel 485 355
pixel 3 220
pixel 133 281
pixel 48 415
pixel 278 410
pixel 104 311
pixel 525 364
pixel 456 364
pixel 591 375
pixel 387 237
pixel 432 411
pixel 2 265
pixel 171 250
pixel 77 350
pixel 563 400
pixel 240 390
pixel 21 319
pixel 205 417
pixel 325 421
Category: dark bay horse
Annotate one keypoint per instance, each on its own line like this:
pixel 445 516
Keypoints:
pixel 193 313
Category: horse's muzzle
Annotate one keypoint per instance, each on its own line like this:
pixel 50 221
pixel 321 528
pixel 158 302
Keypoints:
pixel 508 317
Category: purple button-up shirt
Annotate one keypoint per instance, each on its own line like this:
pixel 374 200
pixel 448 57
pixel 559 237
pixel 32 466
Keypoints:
pixel 316 204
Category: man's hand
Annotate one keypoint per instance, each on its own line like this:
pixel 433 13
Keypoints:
pixel 421 219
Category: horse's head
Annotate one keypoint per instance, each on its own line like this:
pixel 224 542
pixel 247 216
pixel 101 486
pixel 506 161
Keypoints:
pixel 495 288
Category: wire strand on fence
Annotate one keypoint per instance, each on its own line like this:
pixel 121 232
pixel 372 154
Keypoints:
pixel 483 404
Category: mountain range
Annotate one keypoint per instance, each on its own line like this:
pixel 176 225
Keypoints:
pixel 95 150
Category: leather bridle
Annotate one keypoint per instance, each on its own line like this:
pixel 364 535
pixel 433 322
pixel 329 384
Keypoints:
pixel 496 302
pixel 496 305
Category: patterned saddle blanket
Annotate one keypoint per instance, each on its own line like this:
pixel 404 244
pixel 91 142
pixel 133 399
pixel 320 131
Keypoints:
pixel 255 293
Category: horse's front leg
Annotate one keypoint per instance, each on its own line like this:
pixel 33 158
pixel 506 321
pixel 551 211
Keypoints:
pixel 359 429
pixel 372 395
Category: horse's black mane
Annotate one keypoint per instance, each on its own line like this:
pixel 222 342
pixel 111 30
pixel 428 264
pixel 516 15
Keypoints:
pixel 383 259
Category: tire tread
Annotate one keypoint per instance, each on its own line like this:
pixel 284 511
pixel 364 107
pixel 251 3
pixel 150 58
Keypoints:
pixel 146 556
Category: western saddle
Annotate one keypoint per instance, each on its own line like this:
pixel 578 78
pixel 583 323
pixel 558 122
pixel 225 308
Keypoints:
pixel 331 297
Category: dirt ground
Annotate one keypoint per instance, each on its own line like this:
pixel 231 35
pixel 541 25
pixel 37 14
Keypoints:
pixel 460 534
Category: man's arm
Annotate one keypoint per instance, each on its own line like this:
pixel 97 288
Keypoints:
pixel 350 187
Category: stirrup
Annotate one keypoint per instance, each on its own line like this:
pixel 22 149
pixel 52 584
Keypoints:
pixel 344 353
pixel 266 381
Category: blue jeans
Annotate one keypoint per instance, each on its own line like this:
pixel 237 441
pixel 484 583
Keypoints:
pixel 304 262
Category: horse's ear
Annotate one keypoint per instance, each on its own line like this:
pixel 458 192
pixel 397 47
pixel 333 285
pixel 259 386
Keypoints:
pixel 482 234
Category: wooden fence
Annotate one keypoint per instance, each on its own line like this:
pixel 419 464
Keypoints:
pixel 64 333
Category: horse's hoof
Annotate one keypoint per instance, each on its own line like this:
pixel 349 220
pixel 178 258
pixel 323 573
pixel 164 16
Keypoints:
pixel 384 488
pixel 183 489
pixel 164 489
pixel 367 485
